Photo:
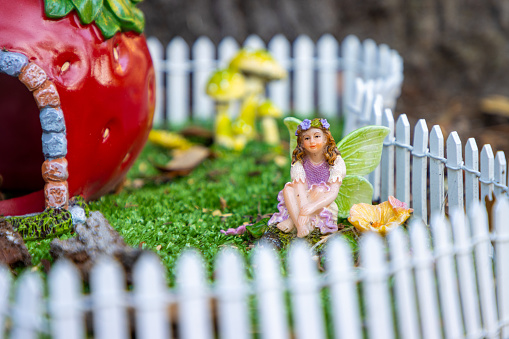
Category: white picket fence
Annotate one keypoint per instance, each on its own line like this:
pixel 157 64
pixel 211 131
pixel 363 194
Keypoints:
pixel 322 75
pixel 447 285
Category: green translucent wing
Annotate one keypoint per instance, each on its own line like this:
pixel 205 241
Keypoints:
pixel 292 124
pixel 362 149
pixel 354 190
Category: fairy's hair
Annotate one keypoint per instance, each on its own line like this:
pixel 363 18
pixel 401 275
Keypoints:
pixel 331 152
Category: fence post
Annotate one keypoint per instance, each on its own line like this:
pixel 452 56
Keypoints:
pixel 203 65
pixel 327 54
pixel 425 280
pixel 226 50
pixel 254 41
pixel 27 313
pixel 447 280
pixel 466 272
pixel 471 174
pixel 420 171
pixel 500 173
pixel 157 53
pixel 108 298
pixel 343 289
pixel 487 173
pixel 194 303
pixel 303 71
pixel 352 115
pixel 436 170
pixel 484 266
pixel 279 91
pixel 404 285
pixel 177 82
pixel 350 50
pixel 5 286
pixel 150 298
pixel 231 291
pixel 270 290
pixel 387 161
pixel 376 119
pixel 370 55
pixel 375 287
pixel 384 61
pixel 66 313
pixel 501 224
pixel 454 172
pixel 305 293
pixel 403 159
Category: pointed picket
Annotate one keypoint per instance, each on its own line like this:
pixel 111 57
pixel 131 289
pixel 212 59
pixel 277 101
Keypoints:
pixel 343 289
pixel 203 65
pixel 387 161
pixel 269 287
pixel 66 313
pixel 327 53
pixel 420 171
pixel 27 313
pixel 5 286
pixel 404 285
pixel 156 50
pixel 454 172
pixel 466 272
pixel 501 223
pixel 447 280
pixel 500 176
pixel 484 265
pixel 226 50
pixel 194 302
pixel 375 287
pixel 425 280
pixel 232 301
pixel 150 298
pixel 471 174
pixel 350 52
pixel 487 173
pixel 436 171
pixel 303 71
pixel 376 119
pixel 107 285
pixel 305 293
pixel 177 82
pixel 279 91
pixel 403 159
pixel 369 59
pixel 254 41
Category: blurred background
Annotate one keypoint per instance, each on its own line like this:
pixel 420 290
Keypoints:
pixel 456 53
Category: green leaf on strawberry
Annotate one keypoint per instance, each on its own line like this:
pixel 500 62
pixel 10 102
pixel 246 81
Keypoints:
pixel 110 16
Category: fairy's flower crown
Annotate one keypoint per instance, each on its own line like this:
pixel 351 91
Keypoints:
pixel 315 123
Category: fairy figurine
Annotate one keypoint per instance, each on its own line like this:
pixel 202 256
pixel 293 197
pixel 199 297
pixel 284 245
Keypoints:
pixel 327 179
pixel 308 201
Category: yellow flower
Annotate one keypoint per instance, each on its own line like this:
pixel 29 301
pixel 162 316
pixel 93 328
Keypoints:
pixel 380 218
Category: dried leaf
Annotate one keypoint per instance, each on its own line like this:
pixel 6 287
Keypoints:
pixel 185 161
pixel 158 247
pixel 222 201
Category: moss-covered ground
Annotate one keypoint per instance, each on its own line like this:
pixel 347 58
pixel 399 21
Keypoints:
pixel 169 216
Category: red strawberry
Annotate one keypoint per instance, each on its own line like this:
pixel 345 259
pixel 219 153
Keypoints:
pixel 88 58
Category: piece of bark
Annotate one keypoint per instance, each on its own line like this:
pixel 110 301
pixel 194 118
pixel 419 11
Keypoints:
pixel 13 251
pixel 94 239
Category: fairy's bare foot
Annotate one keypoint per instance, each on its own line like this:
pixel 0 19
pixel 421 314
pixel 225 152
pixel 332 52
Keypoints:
pixel 303 226
pixel 286 226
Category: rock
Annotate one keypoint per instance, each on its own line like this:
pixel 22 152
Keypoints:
pixel 95 238
pixel 13 251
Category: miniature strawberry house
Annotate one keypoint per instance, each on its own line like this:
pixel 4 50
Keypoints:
pixel 82 79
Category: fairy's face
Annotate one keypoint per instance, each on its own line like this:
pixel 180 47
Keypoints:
pixel 314 140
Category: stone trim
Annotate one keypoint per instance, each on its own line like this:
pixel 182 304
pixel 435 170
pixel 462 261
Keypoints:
pixel 54 140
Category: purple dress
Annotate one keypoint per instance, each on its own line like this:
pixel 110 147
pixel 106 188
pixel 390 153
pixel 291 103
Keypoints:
pixel 317 178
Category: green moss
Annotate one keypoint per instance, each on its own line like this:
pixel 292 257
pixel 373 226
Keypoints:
pixel 50 223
